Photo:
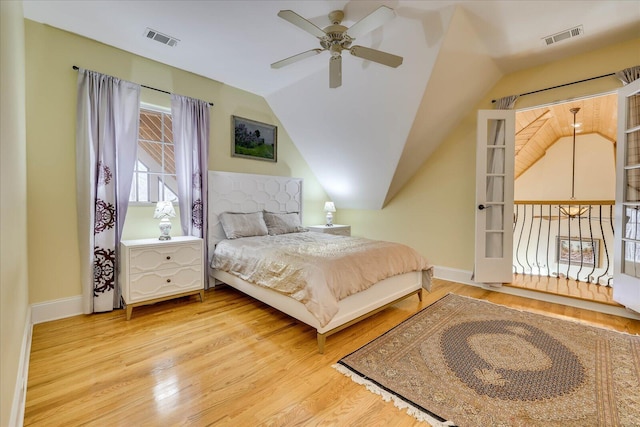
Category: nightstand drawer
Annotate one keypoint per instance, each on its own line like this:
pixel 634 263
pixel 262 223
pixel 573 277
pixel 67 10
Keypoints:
pixel 164 257
pixel 159 283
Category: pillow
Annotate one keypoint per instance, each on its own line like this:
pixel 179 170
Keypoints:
pixel 282 223
pixel 236 224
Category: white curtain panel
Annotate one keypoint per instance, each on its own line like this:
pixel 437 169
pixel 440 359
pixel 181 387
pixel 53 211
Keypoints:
pixel 190 119
pixel 106 145
pixel 629 75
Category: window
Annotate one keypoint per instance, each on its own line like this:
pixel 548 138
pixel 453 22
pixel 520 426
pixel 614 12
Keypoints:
pixel 154 175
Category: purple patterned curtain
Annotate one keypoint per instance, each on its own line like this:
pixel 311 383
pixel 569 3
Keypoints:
pixel 106 145
pixel 190 119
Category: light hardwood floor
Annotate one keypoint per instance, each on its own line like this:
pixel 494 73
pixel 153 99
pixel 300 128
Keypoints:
pixel 228 361
pixel 565 287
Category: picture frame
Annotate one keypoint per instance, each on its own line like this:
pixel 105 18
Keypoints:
pixel 573 250
pixel 251 139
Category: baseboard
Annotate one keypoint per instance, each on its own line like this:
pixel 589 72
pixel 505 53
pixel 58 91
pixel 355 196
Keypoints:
pixel 56 309
pixel 16 418
pixel 464 277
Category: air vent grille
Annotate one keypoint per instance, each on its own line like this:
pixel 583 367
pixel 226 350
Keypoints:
pixel 159 37
pixel 563 35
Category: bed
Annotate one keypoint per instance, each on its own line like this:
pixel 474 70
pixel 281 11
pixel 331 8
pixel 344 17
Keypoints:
pixel 236 198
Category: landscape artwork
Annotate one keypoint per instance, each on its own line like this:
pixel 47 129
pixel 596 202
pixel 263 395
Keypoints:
pixel 254 140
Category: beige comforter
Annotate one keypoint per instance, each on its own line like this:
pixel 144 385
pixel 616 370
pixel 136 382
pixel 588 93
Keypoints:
pixel 317 269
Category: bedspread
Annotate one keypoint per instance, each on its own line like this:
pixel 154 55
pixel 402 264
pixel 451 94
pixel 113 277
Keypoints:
pixel 317 269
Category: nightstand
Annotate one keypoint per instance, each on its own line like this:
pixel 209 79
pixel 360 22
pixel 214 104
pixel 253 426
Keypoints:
pixel 153 270
pixel 339 230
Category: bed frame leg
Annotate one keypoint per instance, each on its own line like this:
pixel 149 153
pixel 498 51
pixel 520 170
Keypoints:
pixel 322 338
pixel 420 295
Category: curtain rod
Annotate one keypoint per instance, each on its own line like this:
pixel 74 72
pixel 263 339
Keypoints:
pixel 75 67
pixel 562 85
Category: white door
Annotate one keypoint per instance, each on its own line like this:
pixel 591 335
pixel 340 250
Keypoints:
pixel 626 273
pixel 494 196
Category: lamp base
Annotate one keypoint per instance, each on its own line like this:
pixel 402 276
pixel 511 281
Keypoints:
pixel 165 229
pixel 329 219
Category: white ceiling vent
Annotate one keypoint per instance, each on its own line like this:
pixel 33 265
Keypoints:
pixel 563 35
pixel 159 37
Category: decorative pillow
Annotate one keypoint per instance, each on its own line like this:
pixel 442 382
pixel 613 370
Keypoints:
pixel 236 224
pixel 282 223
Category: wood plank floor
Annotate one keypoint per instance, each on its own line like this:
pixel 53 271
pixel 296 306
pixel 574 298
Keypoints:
pixel 565 287
pixel 228 361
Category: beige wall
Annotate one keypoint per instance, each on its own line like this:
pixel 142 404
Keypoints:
pixel 54 270
pixel 434 212
pixel 549 178
pixel 14 290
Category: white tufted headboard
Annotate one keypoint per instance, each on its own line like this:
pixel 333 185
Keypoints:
pixel 242 192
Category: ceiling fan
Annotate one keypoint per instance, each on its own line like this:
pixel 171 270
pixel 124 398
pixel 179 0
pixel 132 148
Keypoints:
pixel 336 37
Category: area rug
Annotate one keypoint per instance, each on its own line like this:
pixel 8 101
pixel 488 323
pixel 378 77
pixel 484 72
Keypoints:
pixel 467 362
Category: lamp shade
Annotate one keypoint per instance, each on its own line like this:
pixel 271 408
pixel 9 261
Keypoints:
pixel 164 210
pixel 329 207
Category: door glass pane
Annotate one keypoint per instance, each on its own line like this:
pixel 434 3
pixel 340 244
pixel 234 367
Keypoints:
pixel 631 263
pixel 495 217
pixel 633 148
pixel 495 189
pixel 632 181
pixel 495 132
pixel 493 245
pixel 633 118
pixel 495 160
pixel 631 250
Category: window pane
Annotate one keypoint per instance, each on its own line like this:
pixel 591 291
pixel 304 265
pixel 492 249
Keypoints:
pixel 169 159
pixel 154 178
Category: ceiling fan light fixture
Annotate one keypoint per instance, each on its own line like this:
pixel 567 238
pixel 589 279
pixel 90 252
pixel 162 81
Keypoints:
pixel 336 37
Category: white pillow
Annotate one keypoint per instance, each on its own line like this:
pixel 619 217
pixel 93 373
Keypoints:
pixel 282 223
pixel 237 224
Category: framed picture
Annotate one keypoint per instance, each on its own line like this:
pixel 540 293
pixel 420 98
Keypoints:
pixel 573 250
pixel 253 140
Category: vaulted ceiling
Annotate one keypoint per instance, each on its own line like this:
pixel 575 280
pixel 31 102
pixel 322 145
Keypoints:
pixel 367 138
pixel 539 128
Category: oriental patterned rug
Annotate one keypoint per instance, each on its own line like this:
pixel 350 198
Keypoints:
pixel 467 362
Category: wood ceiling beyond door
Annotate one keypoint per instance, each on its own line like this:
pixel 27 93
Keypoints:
pixel 540 128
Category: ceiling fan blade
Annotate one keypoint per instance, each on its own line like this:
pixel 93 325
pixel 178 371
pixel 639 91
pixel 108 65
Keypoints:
pixel 335 71
pixel 300 22
pixel 296 58
pixel 376 56
pixel 371 22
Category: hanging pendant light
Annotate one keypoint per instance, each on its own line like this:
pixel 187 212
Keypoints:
pixel 573 211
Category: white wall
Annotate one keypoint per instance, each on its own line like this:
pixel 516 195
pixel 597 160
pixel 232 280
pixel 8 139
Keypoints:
pixel 550 177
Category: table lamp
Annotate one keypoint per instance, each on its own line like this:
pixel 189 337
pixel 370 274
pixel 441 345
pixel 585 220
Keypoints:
pixel 164 211
pixel 329 208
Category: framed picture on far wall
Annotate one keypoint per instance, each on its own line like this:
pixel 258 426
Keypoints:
pixel 574 251
pixel 254 140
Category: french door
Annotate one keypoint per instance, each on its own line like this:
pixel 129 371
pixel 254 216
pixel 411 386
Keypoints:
pixel 626 274
pixel 494 197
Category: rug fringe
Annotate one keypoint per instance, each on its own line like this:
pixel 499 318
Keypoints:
pixel 386 396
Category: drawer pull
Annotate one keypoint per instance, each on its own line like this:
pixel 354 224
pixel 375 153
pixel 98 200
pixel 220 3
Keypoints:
pixel 168 257
pixel 168 280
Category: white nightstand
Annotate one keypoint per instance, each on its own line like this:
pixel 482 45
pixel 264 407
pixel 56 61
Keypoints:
pixel 153 270
pixel 340 230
